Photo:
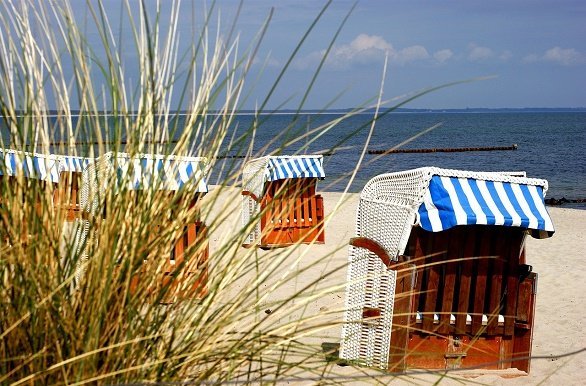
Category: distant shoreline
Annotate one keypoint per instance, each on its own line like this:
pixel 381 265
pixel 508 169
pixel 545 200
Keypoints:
pixel 75 113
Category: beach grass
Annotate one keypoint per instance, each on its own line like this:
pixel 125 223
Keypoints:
pixel 75 314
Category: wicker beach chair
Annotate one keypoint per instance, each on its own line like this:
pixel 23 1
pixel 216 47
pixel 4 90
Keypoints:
pixel 166 175
pixel 279 194
pixel 437 274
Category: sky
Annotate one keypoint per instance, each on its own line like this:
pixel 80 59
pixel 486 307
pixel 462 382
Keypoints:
pixel 534 51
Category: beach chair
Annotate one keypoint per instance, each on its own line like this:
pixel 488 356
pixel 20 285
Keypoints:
pixel 438 277
pixel 279 193
pixel 22 173
pixel 167 176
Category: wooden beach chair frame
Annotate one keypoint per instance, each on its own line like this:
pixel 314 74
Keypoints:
pixel 453 297
pixel 176 272
pixel 282 192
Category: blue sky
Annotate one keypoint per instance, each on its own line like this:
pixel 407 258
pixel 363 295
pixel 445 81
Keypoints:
pixel 536 49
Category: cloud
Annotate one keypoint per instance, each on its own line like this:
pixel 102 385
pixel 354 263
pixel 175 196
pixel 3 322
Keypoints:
pixel 563 56
pixel 532 58
pixel 411 54
pixel 364 50
pixel 266 62
pixel 558 55
pixel 478 53
pixel 443 55
pixel 505 55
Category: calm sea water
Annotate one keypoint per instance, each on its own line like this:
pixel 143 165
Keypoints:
pixel 550 145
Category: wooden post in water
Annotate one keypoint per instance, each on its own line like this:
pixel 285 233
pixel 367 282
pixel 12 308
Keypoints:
pixel 445 150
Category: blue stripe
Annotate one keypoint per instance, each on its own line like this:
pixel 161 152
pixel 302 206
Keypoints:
pixel 464 203
pixel 442 202
pixel 298 164
pixel 424 218
pixel 312 164
pixel 497 200
pixel 160 166
pixel 280 169
pixel 188 171
pixel 13 163
pixel 36 167
pixel 490 217
pixel 533 206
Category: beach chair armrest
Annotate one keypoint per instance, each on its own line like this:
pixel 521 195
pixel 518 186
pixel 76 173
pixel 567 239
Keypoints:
pixel 251 195
pixel 372 246
pixel 379 250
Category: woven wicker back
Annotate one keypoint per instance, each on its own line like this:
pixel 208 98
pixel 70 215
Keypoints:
pixel 386 212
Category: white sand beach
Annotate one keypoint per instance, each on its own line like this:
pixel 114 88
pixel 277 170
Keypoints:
pixel 561 290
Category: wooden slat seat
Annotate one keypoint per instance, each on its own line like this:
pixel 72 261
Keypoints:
pixel 291 213
pixel 470 284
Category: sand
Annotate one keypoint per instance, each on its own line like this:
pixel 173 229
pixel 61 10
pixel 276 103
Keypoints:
pixel 559 261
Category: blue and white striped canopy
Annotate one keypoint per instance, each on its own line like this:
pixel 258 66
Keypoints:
pixel 159 172
pixel 30 165
pixel 74 164
pixel 283 167
pixel 451 201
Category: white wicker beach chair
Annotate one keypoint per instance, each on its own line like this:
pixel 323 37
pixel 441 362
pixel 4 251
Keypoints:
pixel 422 236
pixel 150 172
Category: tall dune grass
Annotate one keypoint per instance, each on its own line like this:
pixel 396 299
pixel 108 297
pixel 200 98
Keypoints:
pixel 56 329
pixel 107 325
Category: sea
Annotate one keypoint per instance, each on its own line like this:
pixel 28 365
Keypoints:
pixel 550 145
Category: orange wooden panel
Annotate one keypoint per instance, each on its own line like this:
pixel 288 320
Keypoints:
pixel 467 271
pixel 523 335
pixel 426 351
pixel 512 282
pixel 320 217
pixel 297 208
pixel 430 292
pixel 460 352
pixel 306 211
pixel 496 301
pixel 480 352
pixel 483 255
pixel 454 255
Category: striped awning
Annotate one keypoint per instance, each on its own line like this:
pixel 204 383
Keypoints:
pixel 160 172
pixel 451 201
pixel 30 165
pixel 74 164
pixel 284 167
